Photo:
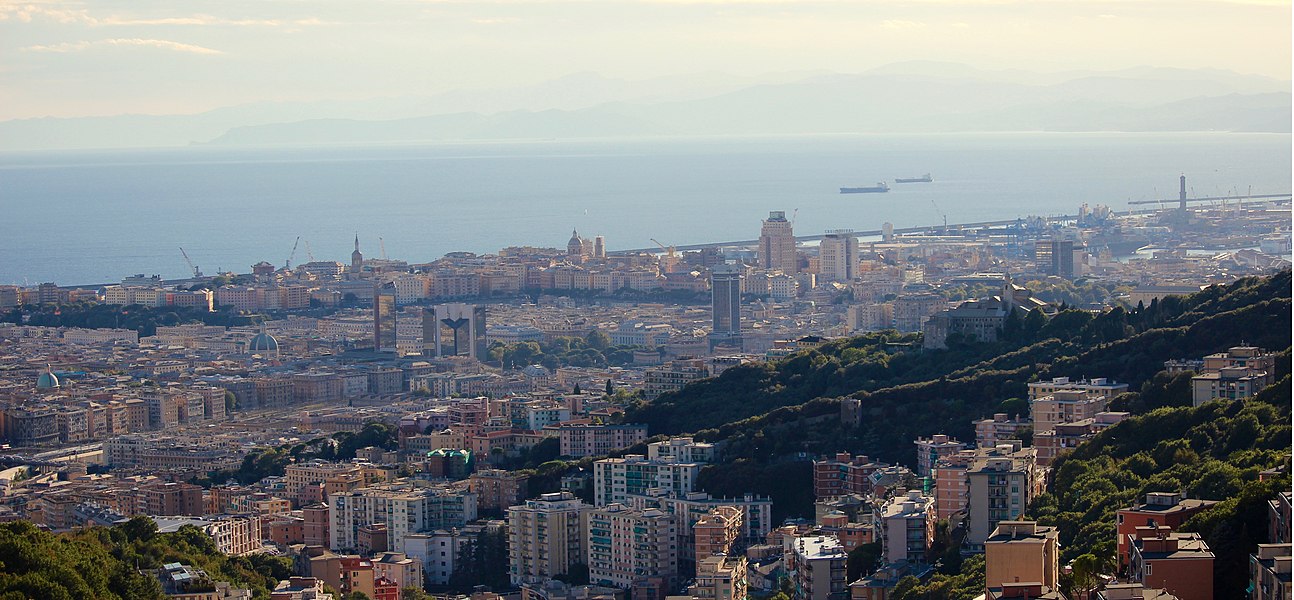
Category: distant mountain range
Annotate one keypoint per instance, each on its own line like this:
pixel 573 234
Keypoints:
pixel 918 97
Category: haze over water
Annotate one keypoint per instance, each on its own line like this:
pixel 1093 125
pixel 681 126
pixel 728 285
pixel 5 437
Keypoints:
pixel 96 216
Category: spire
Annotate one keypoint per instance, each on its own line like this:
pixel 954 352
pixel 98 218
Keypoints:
pixel 357 241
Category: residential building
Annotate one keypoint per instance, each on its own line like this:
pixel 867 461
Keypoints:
pixel 951 487
pixel 906 526
pixel 578 440
pixel 1001 482
pixel 843 474
pixel 1022 551
pixel 1160 509
pixel 616 478
pixel 720 578
pixel 929 451
pixel 406 507
pixel 626 545
pixel 545 537
pixel 816 567
pixel 496 490
pixel 1180 563
pixel 1269 572
pixel 991 432
pixel 683 450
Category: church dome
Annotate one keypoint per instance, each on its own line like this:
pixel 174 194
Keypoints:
pixel 47 380
pixel 263 343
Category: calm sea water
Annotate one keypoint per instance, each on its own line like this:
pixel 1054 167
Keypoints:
pixel 96 216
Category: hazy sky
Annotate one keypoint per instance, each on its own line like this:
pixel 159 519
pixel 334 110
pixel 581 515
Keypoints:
pixel 168 56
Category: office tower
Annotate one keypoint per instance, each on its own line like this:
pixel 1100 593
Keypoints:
pixel 1054 257
pixel 777 244
pixel 453 330
pixel 725 284
pixel 384 318
pixel 838 256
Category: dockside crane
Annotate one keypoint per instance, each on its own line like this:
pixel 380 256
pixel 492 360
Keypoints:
pixel 382 243
pixel 668 251
pixel 196 272
pixel 287 266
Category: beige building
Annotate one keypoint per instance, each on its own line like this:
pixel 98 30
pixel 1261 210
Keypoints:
pixel 545 537
pixel 1021 551
pixel 906 524
pixel 777 244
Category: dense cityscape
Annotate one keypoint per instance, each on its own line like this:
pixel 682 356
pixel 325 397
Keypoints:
pixel 779 420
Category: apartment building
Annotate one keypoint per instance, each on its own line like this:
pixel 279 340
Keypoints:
pixel 1159 509
pixel 614 479
pixel 585 439
pixel 1180 563
pixel 406 507
pixel 906 525
pixel 627 545
pixel 1022 551
pixel 1000 484
pixel 545 537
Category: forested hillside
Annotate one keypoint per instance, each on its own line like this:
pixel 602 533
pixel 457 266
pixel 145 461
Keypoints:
pixel 105 562
pixel 1128 346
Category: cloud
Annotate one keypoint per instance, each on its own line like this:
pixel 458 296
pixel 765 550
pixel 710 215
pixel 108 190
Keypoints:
pixel 26 13
pixel 901 24
pixel 81 46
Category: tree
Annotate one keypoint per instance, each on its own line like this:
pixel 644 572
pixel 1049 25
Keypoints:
pixel 610 389
pixel 577 389
pixel 598 340
pixel 1086 576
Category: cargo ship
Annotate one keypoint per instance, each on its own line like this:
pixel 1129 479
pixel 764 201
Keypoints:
pixel 878 188
pixel 923 179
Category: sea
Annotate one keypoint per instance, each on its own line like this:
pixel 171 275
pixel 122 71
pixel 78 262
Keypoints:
pixel 94 217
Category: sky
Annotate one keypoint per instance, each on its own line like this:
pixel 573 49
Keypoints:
pixel 83 58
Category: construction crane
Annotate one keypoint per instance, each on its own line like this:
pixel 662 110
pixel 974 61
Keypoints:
pixel 287 266
pixel 941 213
pixel 668 251
pixel 309 255
pixel 196 272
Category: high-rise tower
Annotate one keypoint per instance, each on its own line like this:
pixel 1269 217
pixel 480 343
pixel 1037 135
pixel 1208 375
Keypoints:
pixel 777 244
pixel 725 285
pixel 384 335
pixel 838 256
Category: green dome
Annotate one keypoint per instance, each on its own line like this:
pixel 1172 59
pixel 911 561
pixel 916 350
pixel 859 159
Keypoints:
pixel 263 343
pixel 47 380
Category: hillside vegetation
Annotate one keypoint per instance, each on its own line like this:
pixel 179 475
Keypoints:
pixel 767 450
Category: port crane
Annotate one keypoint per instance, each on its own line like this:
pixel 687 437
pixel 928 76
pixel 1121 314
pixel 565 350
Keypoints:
pixel 382 244
pixel 668 251
pixel 287 266
pixel 196 272
pixel 310 255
